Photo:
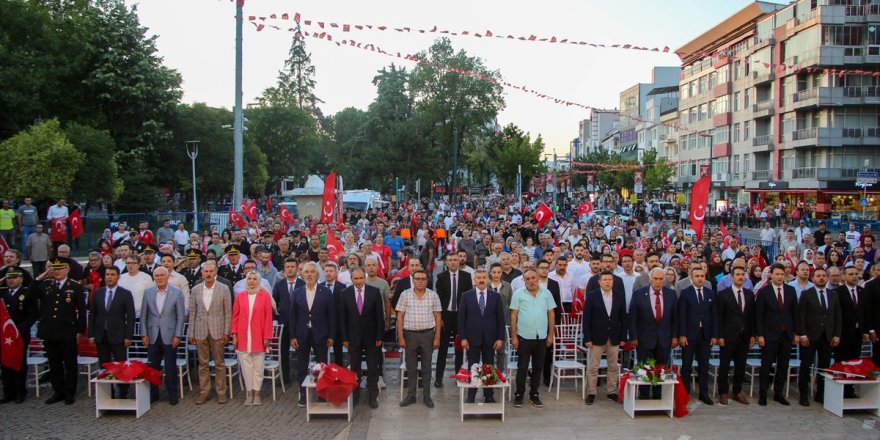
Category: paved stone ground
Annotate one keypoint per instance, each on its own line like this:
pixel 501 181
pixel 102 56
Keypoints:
pixel 566 418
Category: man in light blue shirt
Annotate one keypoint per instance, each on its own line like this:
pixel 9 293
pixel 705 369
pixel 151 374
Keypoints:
pixel 532 329
pixel 801 281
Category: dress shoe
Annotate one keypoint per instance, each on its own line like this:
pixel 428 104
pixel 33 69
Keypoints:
pixel 428 402
pixel 409 400
pixel 723 399
pixel 804 400
pixel 706 400
pixel 201 399
pixel 741 398
pixel 69 401
pixel 7 399
pixel 55 399
pixel 173 400
pixel 536 402
pixel 221 398
pixel 302 401
pixel 762 399
pixel 781 400
pixel 438 383
pixel 489 400
pixel 374 403
pixel 590 399
pixel 612 397
pixel 518 402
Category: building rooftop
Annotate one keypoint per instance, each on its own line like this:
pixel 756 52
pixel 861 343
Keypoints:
pixel 730 28
pixel 663 90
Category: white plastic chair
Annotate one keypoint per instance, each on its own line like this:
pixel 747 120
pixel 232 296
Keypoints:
pixel 403 374
pixel 230 361
pixel 273 358
pixel 753 366
pixel 37 361
pixel 183 361
pixel 565 363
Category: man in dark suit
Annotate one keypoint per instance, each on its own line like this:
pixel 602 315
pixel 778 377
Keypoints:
pixel 697 330
pixel 819 327
pixel 451 285
pixel 331 271
pixel 607 265
pixel 22 308
pixel 282 293
pixel 871 294
pixel 62 323
pixel 736 317
pixel 653 320
pixel 775 310
pixel 849 295
pixel 481 326
pixel 544 280
pixel 362 327
pixel 605 327
pixel 111 321
pixel 312 323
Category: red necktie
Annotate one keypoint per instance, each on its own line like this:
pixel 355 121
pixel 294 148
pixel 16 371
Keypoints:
pixel 854 297
pixel 658 309
pixel 779 297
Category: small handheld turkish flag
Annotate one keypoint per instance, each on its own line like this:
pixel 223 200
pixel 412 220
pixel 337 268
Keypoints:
pixel 235 219
pixel 285 215
pixel 12 354
pixel 542 214
pixel 334 247
pixel 585 208
pixel 59 230
pixel 251 210
pixel 76 226
pixel 3 246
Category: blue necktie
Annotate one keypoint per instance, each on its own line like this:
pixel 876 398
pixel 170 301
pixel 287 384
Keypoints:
pixel 482 303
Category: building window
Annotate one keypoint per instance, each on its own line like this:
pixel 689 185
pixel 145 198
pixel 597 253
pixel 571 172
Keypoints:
pixel 703 81
pixel 736 128
pixel 721 135
pixel 737 69
pixel 693 168
pixel 713 80
pixel 702 112
pixel 736 164
pixel 746 166
pixel 736 98
pixel 746 130
pixel 746 98
pixel 692 89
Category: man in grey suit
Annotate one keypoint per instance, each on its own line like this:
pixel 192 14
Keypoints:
pixel 162 318
pixel 210 314
pixel 111 321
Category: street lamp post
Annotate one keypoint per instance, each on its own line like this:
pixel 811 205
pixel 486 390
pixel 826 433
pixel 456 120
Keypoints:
pixel 238 116
pixel 192 150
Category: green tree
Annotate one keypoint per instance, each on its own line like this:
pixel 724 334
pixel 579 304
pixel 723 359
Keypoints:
pixel 657 172
pixel 513 150
pixel 98 180
pixel 288 135
pixel 347 148
pixel 296 80
pixel 140 194
pixel 39 163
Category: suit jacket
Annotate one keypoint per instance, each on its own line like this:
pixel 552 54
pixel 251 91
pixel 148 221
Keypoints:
pixel 682 284
pixel 692 313
pixel 593 284
pixel 256 324
pixel 214 322
pixel 22 308
pixel 481 329
pixel 599 326
pixel 814 320
pixel 118 320
pixel 169 323
pixel 732 321
pixel 368 326
pixel 851 315
pixel 284 298
pixel 322 315
pixel 771 322
pixel 553 287
pixel 444 287
pixel 643 324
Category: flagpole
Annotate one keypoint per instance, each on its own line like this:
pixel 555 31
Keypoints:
pixel 238 117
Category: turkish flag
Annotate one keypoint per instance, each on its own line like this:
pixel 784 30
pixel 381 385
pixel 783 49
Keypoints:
pixel 76 226
pixel 59 230
pixel 542 214
pixel 329 194
pixel 336 384
pixel 236 219
pixel 249 209
pixel 268 204
pixel 334 247
pixel 585 208
pixel 3 246
pixel 285 215
pixel 699 199
pixel 12 351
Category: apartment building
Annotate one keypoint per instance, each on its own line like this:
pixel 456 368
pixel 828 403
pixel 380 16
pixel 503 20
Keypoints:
pixel 633 103
pixel 592 131
pixel 770 110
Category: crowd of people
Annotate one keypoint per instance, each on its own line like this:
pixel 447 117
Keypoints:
pixel 481 276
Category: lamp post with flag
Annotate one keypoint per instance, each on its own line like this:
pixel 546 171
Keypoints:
pixel 192 150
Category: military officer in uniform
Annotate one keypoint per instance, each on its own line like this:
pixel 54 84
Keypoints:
pixel 193 270
pixel 148 260
pixel 62 323
pixel 234 271
pixel 22 309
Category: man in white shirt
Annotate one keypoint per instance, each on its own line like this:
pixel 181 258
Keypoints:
pixel 801 231
pixel 58 211
pixel 135 282
pixel 181 238
pixel 566 280
pixel 628 276
pixel 579 266
pixel 768 234
pixel 853 236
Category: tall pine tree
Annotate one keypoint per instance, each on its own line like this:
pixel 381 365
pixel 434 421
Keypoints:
pixel 296 81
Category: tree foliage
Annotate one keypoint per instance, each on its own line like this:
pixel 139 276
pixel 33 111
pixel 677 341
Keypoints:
pixel 98 179
pixel 296 80
pixel 39 163
pixel 657 172
pixel 513 149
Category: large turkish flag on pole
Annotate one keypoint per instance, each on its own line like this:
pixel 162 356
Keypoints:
pixel 12 353
pixel 699 199
pixel 327 204
pixel 76 226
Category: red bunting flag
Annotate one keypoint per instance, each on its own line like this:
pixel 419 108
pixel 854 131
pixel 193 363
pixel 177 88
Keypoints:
pixel 699 199
pixel 285 215
pixel 236 219
pixel 327 202
pixel 76 226
pixel 13 345
pixel 542 214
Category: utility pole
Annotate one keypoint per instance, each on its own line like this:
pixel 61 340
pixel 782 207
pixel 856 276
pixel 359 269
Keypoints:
pixel 419 190
pixel 397 191
pixel 192 150
pixel 238 116
pixel 555 187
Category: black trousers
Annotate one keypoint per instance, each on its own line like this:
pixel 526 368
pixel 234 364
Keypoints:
pixel 779 353
pixel 108 352
pixel 63 370
pixel 159 353
pixel 529 350
pixel 819 346
pixel 285 354
pixel 485 353
pixel 447 334
pixel 358 353
pixel 876 353
pixel 14 381
pixel 302 358
pixel 697 348
pixel 659 354
pixel 736 349
pixel 850 346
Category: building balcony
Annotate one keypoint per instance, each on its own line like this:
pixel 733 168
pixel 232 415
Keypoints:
pixel 722 89
pixel 826 174
pixel 804 98
pixel 721 119
pixel 761 174
pixel 721 177
pixel 721 150
pixel 802 173
pixel 763 108
pixel 758 79
pixel 815 137
pixel 762 143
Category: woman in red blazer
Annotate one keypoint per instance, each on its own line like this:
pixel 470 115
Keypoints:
pixel 251 331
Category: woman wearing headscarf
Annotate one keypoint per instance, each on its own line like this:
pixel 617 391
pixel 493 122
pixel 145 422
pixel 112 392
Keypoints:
pixel 251 332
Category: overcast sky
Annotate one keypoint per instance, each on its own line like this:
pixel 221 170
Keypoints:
pixel 197 38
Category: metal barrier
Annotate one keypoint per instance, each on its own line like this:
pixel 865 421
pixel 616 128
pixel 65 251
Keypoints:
pixel 772 249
